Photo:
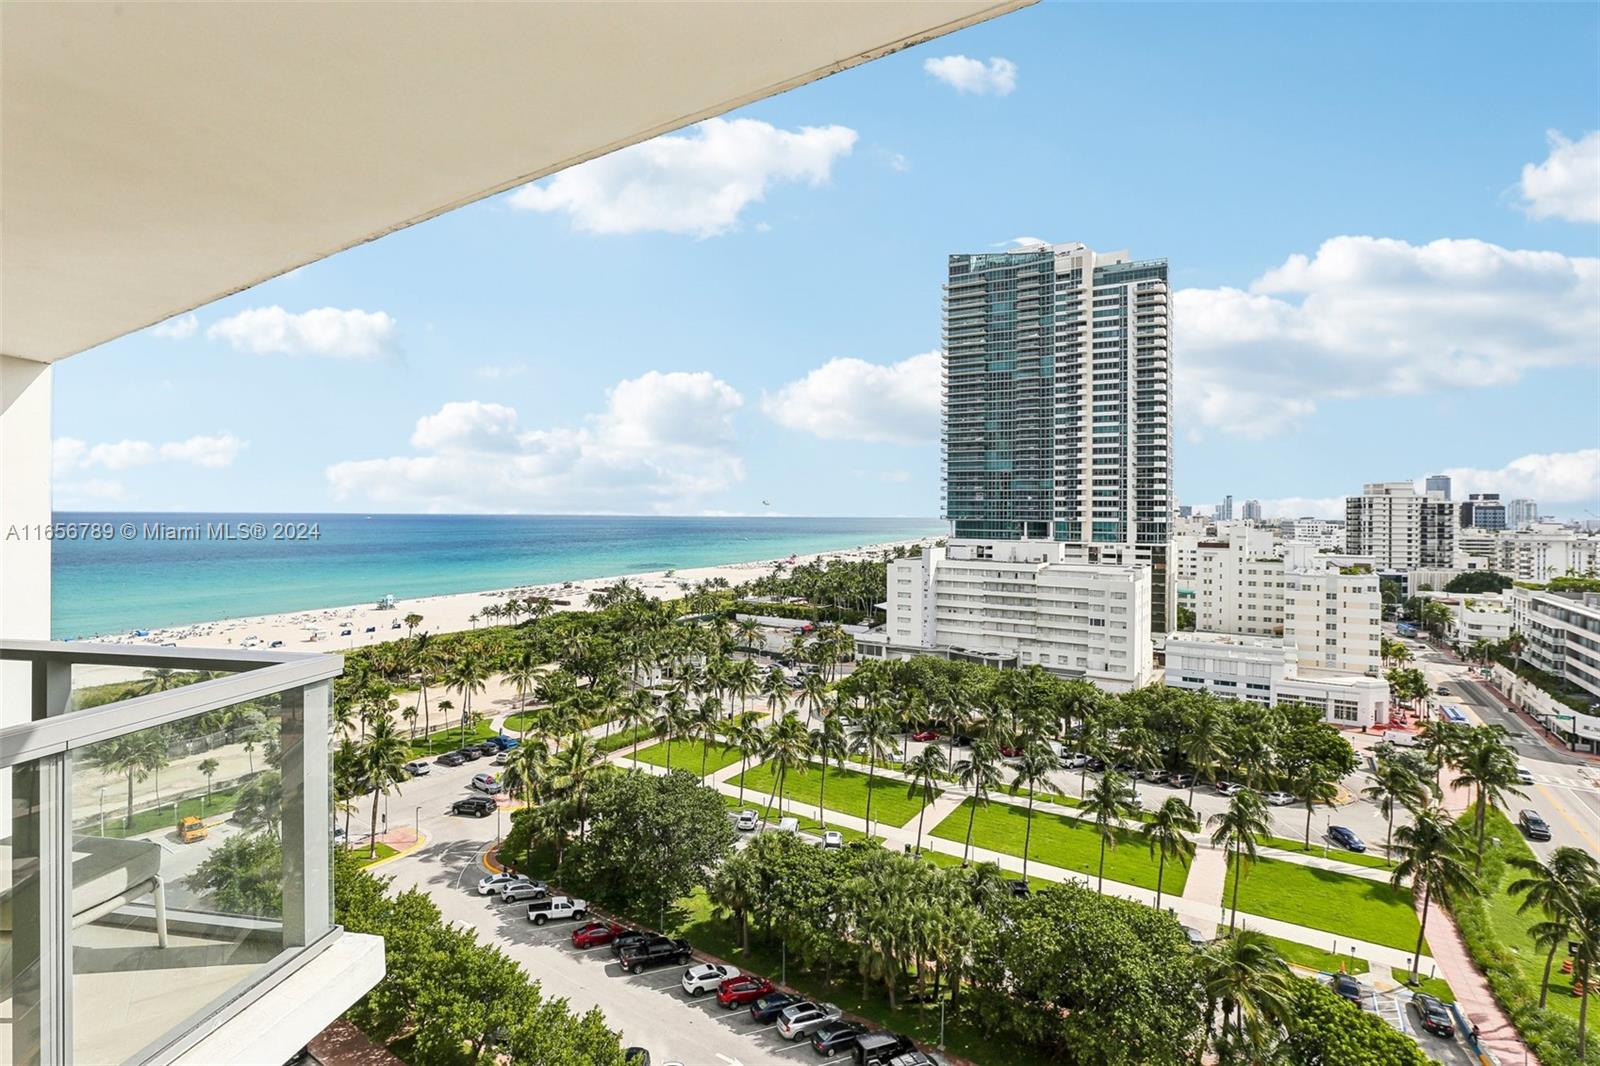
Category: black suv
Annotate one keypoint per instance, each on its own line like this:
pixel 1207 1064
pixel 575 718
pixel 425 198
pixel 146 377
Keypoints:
pixel 1435 1016
pixel 450 758
pixel 627 941
pixel 1534 825
pixel 769 1006
pixel 488 749
pixel 654 952
pixel 482 806
pixel 469 754
pixel 873 1049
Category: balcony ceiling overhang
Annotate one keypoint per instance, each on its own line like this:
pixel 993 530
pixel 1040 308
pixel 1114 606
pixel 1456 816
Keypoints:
pixel 157 156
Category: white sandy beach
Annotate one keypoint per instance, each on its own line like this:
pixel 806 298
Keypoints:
pixel 352 626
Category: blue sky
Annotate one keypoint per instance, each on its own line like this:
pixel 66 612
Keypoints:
pixel 730 319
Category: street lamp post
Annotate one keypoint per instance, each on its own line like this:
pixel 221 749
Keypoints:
pixel 102 810
pixel 416 825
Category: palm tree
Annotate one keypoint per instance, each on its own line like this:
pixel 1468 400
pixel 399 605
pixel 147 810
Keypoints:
pixel 747 735
pixel 788 745
pixel 1168 835
pixel 1204 744
pixel 160 679
pixel 703 722
pixel 382 762
pixel 1312 783
pixel 468 675
pixel 421 660
pixel 524 674
pixel 735 890
pixel 748 629
pixel 872 735
pixel 979 773
pixel 527 769
pixel 134 756
pixel 1587 959
pixel 813 693
pixel 1245 975
pixel 926 770
pixel 1553 888
pixel 637 713
pixel 828 741
pixel 575 766
pixel 1110 805
pixel 1032 771
pixel 1487 763
pixel 1141 751
pixel 412 621
pixel 1237 829
pixel 775 689
pixel 1433 859
pixel 1394 784
pixel 209 767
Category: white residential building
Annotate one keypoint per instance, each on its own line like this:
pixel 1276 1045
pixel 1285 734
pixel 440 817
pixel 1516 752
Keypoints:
pixel 1520 514
pixel 1545 551
pixel 1017 604
pixel 1263 670
pixel 1251 584
pixel 1561 633
pixel 1317 532
pixel 1400 529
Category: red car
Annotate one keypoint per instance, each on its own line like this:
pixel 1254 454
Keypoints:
pixel 926 734
pixel 1010 753
pixel 593 934
pixel 738 991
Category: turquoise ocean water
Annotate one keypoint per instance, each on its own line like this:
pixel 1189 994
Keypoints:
pixel 116 585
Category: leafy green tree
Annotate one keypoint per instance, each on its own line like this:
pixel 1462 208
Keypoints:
pixel 1109 805
pixel 243 875
pixel 1312 758
pixel 1553 888
pixel 1322 1029
pixel 1186 619
pixel 1090 978
pixel 1244 975
pixel 1470 582
pixel 1168 835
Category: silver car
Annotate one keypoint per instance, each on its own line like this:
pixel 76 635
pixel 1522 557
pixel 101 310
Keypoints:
pixel 803 1019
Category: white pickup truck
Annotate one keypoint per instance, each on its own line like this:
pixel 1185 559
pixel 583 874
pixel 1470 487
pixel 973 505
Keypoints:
pixel 544 910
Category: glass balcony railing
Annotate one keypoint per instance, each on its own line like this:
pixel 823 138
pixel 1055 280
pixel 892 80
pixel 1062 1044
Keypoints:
pixel 165 842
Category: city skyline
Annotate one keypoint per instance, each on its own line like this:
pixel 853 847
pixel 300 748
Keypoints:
pixel 673 328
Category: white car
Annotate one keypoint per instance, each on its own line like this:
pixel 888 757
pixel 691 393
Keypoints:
pixel 832 838
pixel 1074 760
pixel 1228 788
pixel 1279 799
pixel 1524 775
pixel 698 980
pixel 746 820
pixel 544 910
pixel 803 1019
pixel 419 768
pixel 494 884
pixel 487 783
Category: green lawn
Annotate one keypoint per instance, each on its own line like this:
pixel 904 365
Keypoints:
pixel 624 738
pixel 1434 986
pixel 443 740
pixel 846 792
pixel 939 858
pixel 720 938
pixel 1298 846
pixel 1316 958
pixel 1061 841
pixel 384 852
pixel 516 723
pixel 163 817
pixel 686 755
pixel 1363 909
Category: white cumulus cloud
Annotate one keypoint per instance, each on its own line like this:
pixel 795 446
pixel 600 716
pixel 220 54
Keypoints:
pixel 1552 477
pixel 326 331
pixel 664 442
pixel 209 451
pixel 852 399
pixel 1370 316
pixel 69 454
pixel 695 183
pixel 178 328
pixel 1567 184
pixel 998 77
pixel 1304 507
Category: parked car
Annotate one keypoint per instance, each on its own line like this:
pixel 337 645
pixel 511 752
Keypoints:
pixel 1534 825
pixel 1279 799
pixel 1096 765
pixel 742 990
pixel 552 907
pixel 1346 987
pixel 1180 780
pixel 787 825
pixel 450 758
pixel 1434 1015
pixel 655 952
pixel 832 838
pixel 1197 939
pixel 835 1037
pixel 1008 752
pixel 1073 760
pixel 494 884
pixel 593 934
pixel 487 783
pixel 469 754
pixel 635 1056
pixel 1442 690
pixel 1345 838
pixel 706 977
pixel 524 890
pixel 925 735
pixel 1228 788
pixel 1018 888
pixel 746 821
pixel 487 748
pixel 631 939
pixel 803 1019
pixel 478 806
pixel 874 1049
pixel 767 1007
pixel 418 768
pixel 1524 775
pixel 910 1058
pixel 502 742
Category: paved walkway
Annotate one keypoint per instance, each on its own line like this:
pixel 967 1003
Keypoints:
pixel 1477 1003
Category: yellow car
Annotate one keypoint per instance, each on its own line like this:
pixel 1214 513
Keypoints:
pixel 191 829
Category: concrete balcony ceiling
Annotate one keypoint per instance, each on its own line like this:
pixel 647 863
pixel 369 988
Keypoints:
pixel 157 156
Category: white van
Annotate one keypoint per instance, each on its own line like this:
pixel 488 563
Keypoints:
pixel 788 825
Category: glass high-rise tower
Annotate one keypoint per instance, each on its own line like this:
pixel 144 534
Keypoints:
pixel 1057 400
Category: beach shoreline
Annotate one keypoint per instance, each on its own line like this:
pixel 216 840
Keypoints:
pixel 324 628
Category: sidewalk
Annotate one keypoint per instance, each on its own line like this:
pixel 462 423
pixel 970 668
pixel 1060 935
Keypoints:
pixel 1477 1003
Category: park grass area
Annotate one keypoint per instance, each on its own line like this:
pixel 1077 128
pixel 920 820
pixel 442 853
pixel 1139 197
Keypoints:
pixel 1298 847
pixel 846 791
pixel 687 755
pixel 1057 799
pixel 163 816
pixel 624 738
pixel 939 858
pixel 521 722
pixel 384 852
pixel 971 1041
pixel 442 740
pixel 1061 841
pixel 807 825
pixel 1437 987
pixel 1357 907
pixel 1317 959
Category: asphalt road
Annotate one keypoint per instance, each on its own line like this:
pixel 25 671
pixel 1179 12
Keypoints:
pixel 650 1009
